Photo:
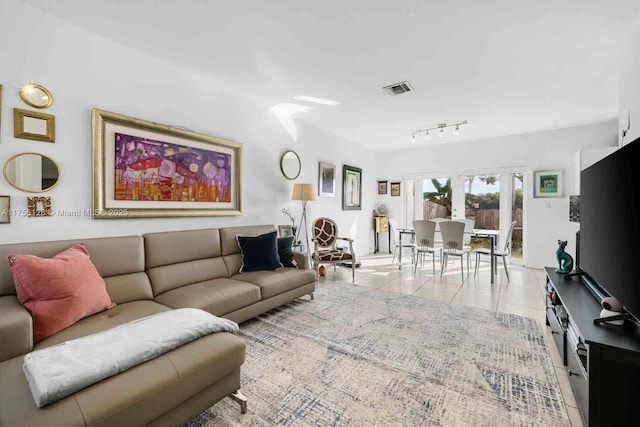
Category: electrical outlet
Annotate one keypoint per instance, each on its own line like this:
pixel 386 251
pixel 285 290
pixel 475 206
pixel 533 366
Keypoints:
pixel 547 205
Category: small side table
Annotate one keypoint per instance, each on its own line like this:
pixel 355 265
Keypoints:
pixel 380 225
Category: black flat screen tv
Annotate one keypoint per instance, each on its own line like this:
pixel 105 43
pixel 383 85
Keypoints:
pixel 610 225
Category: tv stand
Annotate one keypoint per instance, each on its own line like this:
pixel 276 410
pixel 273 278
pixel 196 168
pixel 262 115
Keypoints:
pixel 574 273
pixel 603 361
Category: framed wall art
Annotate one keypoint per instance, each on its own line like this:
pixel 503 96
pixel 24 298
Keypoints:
pixel 395 188
pixel 285 231
pixel 39 206
pixel 574 208
pixel 327 180
pixel 547 183
pixel 145 169
pixel 382 187
pixel 351 188
pixel 34 125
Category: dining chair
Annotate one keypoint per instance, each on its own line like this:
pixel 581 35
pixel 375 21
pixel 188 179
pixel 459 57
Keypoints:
pixel 393 223
pixel 438 236
pixel 503 253
pixel 452 245
pixel 469 225
pixel 425 242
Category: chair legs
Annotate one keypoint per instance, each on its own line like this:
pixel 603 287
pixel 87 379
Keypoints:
pixel 444 257
pixel 504 262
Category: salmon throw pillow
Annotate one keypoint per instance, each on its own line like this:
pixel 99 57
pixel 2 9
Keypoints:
pixel 59 291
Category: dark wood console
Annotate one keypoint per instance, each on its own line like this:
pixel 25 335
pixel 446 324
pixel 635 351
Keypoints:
pixel 603 361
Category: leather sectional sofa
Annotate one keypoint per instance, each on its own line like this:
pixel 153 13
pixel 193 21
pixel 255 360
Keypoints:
pixel 146 275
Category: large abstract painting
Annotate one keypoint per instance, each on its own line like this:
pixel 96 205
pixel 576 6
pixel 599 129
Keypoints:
pixel 143 169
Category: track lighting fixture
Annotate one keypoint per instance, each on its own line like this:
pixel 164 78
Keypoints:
pixel 441 126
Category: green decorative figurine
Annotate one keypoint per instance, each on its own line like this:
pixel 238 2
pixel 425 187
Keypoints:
pixel 565 261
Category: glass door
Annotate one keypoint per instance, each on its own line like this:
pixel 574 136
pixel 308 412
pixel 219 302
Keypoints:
pixel 482 204
pixel 517 209
pixel 437 198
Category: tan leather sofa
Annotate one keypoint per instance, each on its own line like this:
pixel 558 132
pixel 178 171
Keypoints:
pixel 146 275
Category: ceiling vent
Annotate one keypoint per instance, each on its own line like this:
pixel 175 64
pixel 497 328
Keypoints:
pixel 398 88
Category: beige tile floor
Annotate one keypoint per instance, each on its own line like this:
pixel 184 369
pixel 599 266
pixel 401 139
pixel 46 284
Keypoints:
pixel 523 294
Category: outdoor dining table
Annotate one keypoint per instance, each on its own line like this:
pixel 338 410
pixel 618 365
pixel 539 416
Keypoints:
pixel 477 233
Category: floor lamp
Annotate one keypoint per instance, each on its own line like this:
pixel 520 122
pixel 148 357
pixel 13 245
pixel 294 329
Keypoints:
pixel 304 192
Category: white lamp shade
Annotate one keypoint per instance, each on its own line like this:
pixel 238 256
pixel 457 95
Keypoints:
pixel 304 192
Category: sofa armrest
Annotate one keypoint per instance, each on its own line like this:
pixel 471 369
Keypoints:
pixel 302 260
pixel 16 328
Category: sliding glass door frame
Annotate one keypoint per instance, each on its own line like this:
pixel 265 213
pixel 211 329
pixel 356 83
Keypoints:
pixel 458 181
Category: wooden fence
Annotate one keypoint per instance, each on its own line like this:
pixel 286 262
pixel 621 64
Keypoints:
pixel 432 210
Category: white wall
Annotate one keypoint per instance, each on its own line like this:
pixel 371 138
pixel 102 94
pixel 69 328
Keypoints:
pixel 630 84
pixel 85 71
pixel 546 220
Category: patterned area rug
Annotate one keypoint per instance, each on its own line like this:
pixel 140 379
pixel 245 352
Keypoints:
pixel 363 357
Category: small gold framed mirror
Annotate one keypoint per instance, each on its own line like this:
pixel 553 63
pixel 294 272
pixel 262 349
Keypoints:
pixel 36 95
pixel 32 172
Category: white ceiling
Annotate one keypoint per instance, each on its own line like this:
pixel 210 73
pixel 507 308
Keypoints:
pixel 506 66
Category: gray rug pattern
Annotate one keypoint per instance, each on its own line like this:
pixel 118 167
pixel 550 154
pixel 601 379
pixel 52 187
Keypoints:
pixel 364 357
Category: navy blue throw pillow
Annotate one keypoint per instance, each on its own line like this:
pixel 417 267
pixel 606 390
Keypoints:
pixel 259 253
pixel 285 250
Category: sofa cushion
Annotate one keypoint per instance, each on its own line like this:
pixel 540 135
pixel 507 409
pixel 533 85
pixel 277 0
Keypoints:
pixel 112 256
pixel 273 283
pixel 259 252
pixel 172 247
pixel 217 296
pixel 169 277
pixel 122 313
pixel 60 290
pixel 285 251
pixel 135 397
pixel 228 241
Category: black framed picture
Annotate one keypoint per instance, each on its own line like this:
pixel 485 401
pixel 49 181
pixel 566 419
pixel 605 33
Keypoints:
pixel 351 188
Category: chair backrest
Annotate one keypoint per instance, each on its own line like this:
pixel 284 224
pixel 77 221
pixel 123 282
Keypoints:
pixel 507 242
pixel 469 224
pixel 425 233
pixel 393 224
pixel 452 234
pixel 438 233
pixel 325 232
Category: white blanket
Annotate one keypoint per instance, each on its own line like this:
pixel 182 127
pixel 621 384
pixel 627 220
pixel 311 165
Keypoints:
pixel 56 372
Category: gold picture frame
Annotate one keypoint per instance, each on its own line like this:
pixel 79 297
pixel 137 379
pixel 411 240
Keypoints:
pixel 395 188
pixel 38 206
pixel 34 125
pixel 143 169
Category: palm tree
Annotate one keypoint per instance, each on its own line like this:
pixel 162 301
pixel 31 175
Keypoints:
pixel 442 195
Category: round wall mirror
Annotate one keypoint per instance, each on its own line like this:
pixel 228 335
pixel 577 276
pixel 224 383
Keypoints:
pixel 290 165
pixel 36 95
pixel 32 172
